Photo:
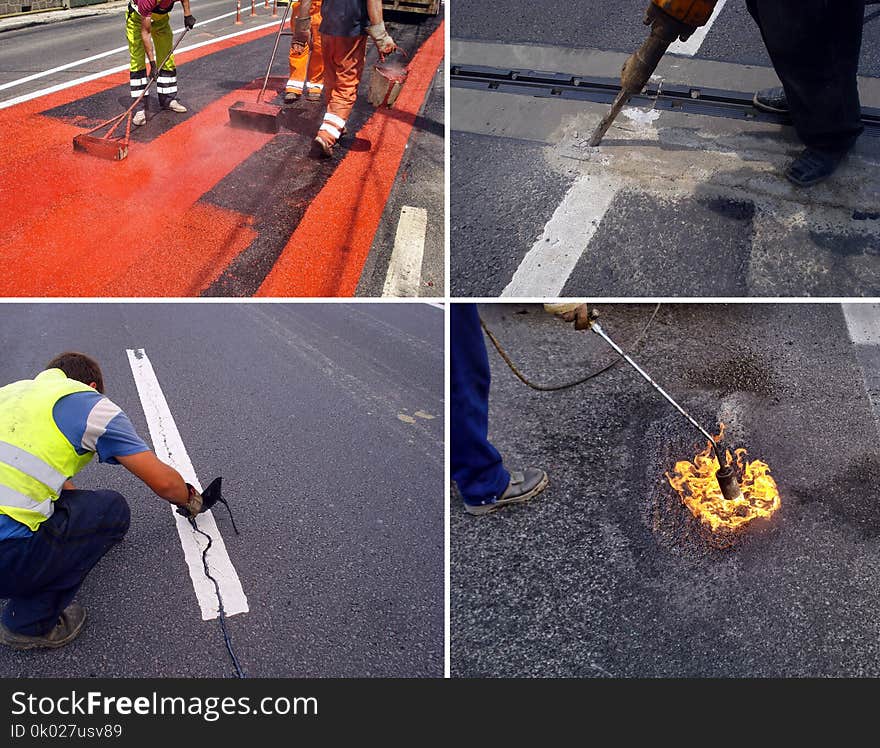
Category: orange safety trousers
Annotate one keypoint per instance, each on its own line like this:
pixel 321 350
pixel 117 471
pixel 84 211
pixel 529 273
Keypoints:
pixel 344 65
pixel 307 69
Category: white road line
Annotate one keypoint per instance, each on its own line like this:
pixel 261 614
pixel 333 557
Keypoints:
pixel 546 267
pixel 170 448
pixel 548 264
pixel 405 268
pixel 693 44
pixel 119 68
pixel 863 323
pixel 84 60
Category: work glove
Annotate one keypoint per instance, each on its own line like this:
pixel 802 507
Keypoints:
pixel 189 22
pixel 577 313
pixel 384 43
pixel 193 505
pixel 154 69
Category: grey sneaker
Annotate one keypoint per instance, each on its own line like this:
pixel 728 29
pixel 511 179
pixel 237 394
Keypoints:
pixel 140 117
pixel 66 630
pixel 291 96
pixel 176 106
pixel 522 487
pixel 771 100
pixel 314 95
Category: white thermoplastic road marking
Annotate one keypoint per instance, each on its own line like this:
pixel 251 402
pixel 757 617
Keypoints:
pixel 405 268
pixel 546 267
pixel 119 68
pixel 693 44
pixel 863 323
pixel 170 448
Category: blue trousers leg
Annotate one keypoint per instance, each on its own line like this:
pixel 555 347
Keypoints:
pixel 41 575
pixel 476 465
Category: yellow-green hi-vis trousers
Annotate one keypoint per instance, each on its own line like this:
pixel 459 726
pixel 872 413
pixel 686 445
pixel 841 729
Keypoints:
pixel 163 39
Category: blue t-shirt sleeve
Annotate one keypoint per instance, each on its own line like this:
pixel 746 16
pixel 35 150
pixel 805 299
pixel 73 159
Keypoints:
pixel 92 423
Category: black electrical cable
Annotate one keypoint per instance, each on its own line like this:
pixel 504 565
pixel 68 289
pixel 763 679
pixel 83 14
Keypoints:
pixel 557 387
pixel 238 671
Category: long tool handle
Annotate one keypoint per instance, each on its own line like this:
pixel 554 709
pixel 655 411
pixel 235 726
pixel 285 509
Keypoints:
pixel 597 328
pixel 274 50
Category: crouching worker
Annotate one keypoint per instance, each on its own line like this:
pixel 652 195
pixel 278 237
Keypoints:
pixel 149 34
pixel 344 29
pixel 51 533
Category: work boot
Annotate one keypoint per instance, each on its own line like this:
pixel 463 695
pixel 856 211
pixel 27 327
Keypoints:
pixel 813 166
pixel 292 96
pixel 771 100
pixel 176 106
pixel 325 143
pixel 140 118
pixel 66 630
pixel 313 96
pixel 522 487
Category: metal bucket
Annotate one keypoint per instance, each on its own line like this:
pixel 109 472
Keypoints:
pixel 386 82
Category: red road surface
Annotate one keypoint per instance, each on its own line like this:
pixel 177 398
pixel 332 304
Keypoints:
pixel 76 225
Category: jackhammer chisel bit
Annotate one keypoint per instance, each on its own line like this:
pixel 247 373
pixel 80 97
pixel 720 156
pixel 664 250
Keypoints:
pixel 669 20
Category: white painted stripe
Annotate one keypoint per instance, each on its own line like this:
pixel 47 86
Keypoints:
pixel 547 265
pixel 99 56
pixel 404 275
pixel 863 322
pixel 334 119
pixel 170 448
pixel 97 422
pixel 119 68
pixel 693 44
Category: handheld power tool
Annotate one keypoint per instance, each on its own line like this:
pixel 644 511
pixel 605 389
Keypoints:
pixel 669 20
pixel 726 475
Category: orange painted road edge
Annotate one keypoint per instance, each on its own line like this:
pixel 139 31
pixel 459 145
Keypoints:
pixel 326 253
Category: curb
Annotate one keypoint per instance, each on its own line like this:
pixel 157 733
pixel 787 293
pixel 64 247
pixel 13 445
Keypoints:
pixel 13 23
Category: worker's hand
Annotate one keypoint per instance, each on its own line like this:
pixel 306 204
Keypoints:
pixel 384 43
pixel 189 22
pixel 154 69
pixel 193 505
pixel 577 313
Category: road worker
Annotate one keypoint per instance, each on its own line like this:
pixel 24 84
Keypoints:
pixel 477 467
pixel 148 30
pixel 52 533
pixel 306 60
pixel 345 26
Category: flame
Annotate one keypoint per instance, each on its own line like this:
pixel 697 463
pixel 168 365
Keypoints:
pixel 698 488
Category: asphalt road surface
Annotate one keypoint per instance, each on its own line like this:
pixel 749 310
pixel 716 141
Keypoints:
pixel 308 413
pixel 199 207
pixel 535 212
pixel 604 574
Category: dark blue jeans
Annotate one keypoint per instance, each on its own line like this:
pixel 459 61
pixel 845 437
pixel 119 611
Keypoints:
pixel 476 465
pixel 40 575
pixel 815 47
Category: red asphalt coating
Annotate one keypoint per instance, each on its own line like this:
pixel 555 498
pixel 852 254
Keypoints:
pixel 76 225
pixel 326 254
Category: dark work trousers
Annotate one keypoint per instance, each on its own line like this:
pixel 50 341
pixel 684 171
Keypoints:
pixel 476 465
pixel 815 46
pixel 41 574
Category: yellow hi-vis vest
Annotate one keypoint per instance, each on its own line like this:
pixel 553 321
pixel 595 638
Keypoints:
pixel 35 457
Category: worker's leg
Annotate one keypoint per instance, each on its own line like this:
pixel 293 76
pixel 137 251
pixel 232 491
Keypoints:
pixel 815 47
pixel 137 57
pixel 346 56
pixel 299 58
pixel 315 73
pixel 41 575
pixel 163 41
pixel 476 465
